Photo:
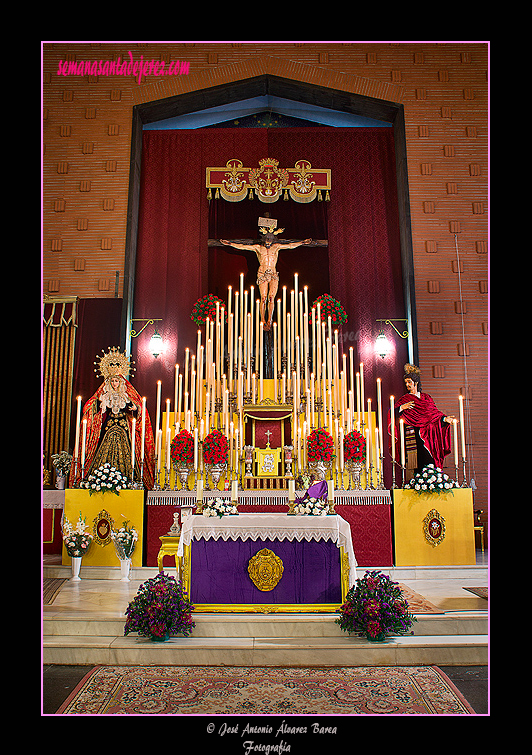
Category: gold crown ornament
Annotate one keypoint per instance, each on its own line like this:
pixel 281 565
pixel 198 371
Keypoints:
pixel 113 362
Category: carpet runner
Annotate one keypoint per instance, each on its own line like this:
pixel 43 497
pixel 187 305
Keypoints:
pixel 50 589
pixel 171 690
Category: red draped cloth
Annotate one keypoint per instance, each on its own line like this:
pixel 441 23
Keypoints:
pixel 96 421
pixel 428 419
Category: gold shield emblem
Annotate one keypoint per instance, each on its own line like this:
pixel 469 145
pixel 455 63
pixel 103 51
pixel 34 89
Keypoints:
pixel 265 569
pixel 434 527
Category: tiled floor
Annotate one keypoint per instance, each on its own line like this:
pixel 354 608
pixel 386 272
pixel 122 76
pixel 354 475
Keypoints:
pixel 447 593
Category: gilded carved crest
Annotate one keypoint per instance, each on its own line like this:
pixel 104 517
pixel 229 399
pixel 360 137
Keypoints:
pixel 265 570
pixel 434 527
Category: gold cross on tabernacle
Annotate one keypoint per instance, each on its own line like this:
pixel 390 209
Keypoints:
pixel 268 433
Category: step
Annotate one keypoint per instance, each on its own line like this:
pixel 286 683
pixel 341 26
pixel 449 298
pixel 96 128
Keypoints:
pixel 252 625
pixel 446 650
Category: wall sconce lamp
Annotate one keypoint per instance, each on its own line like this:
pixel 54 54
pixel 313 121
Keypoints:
pixel 156 341
pixel 382 345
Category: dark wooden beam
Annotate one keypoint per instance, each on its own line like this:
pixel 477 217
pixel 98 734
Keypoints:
pixel 314 242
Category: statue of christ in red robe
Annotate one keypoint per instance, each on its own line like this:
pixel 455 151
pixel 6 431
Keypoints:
pixel 431 426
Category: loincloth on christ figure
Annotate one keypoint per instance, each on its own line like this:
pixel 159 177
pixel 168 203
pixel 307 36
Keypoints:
pixel 267 276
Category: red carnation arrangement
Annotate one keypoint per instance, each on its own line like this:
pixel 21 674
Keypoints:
pixel 320 446
pixel 182 447
pixel 206 308
pixel 332 308
pixel 354 447
pixel 215 448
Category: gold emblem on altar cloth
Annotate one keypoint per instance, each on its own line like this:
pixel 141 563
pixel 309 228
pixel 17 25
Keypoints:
pixel 434 527
pixel 102 526
pixel 265 569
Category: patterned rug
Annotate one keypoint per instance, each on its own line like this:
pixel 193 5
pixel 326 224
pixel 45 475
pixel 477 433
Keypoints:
pixel 50 588
pixel 417 603
pixel 195 690
pixel 481 592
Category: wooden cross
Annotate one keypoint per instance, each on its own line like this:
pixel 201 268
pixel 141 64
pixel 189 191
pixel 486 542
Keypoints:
pixel 268 433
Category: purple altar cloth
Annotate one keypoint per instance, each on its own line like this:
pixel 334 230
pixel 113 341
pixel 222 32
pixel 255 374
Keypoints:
pixel 316 490
pixel 219 572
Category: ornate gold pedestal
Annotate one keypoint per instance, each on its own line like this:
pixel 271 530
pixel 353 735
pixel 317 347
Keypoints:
pixel 168 547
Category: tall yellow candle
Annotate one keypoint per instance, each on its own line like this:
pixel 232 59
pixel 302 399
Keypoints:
pixel 133 425
pixel 285 328
pixel 83 442
pixel 167 422
pixel 358 401
pixel 362 402
pixel 462 426
pixel 379 414
pixel 143 428
pixel 241 303
pixel 392 425
pixel 158 408
pixel 78 422
pixel 261 362
pixel 179 400
pixel 455 441
pixel 296 302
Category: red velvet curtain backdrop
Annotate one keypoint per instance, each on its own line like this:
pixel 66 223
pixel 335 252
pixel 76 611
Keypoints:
pixel 364 262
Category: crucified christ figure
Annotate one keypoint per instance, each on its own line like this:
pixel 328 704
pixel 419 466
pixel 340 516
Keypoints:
pixel 267 275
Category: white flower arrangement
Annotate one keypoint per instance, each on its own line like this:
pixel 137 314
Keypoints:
pixel 312 507
pixel 106 479
pixel 219 507
pixel 77 539
pixel 431 479
pixel 124 540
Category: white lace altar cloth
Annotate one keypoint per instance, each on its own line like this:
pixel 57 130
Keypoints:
pixel 270 527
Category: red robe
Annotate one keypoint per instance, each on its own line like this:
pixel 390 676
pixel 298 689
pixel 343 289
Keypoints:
pixel 425 415
pixel 95 421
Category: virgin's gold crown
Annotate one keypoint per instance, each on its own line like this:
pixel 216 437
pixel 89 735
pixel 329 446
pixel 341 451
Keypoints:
pixel 113 362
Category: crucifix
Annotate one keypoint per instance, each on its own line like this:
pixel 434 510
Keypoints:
pixel 268 433
pixel 267 251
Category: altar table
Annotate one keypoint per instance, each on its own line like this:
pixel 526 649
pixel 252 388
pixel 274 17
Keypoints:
pixel 314 555
pixel 368 512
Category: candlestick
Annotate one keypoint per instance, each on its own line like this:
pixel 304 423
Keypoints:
pixel 358 401
pixel 379 413
pixel 78 421
pixel 83 446
pixel 403 454
pixel 462 426
pixel 362 388
pixel 143 434
pixel 133 425
pixel 392 435
pixel 285 328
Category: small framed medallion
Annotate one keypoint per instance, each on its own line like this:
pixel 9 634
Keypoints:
pixel 434 527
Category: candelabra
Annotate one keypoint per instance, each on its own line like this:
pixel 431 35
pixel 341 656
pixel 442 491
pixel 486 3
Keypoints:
pixel 464 483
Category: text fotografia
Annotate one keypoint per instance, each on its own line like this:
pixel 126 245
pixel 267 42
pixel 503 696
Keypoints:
pixel 126 67
pixel 250 746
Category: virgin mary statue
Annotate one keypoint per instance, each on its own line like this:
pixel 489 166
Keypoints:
pixel 110 428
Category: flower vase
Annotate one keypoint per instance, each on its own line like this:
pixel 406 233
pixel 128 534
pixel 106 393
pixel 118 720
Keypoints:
pixel 355 468
pixel 60 480
pixel 76 566
pixel 216 471
pixel 125 567
pixel 155 638
pixel 183 471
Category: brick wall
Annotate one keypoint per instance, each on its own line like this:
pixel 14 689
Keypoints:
pixel 444 90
